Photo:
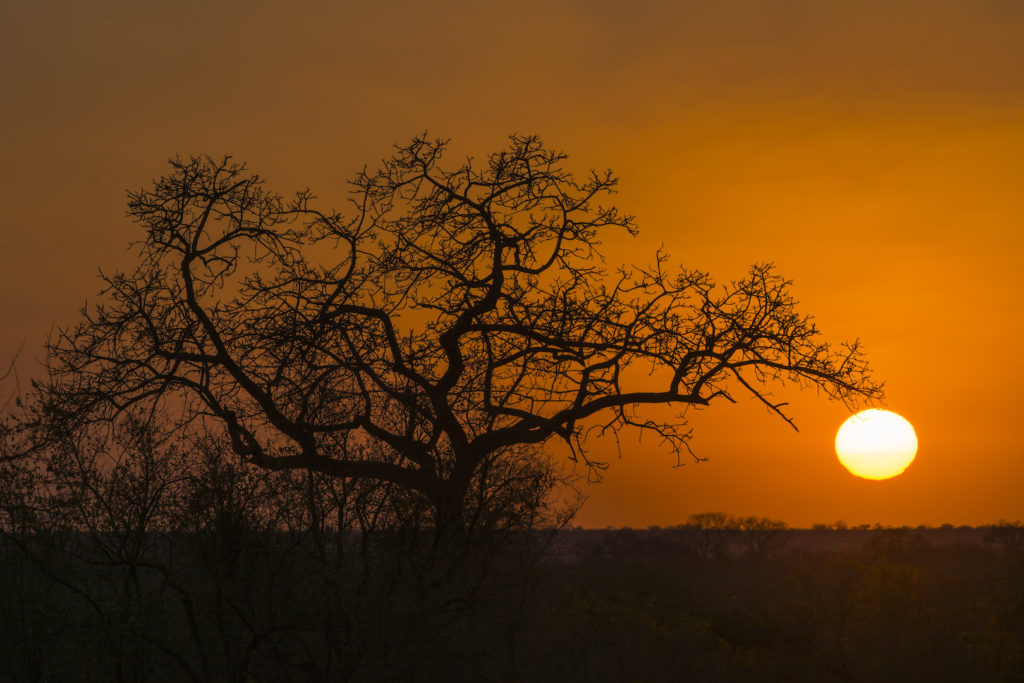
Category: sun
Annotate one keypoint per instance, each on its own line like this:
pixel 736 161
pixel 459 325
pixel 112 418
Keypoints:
pixel 876 444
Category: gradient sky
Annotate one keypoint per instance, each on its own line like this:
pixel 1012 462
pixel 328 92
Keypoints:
pixel 873 150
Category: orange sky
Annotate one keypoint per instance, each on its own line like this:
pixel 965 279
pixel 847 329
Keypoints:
pixel 873 150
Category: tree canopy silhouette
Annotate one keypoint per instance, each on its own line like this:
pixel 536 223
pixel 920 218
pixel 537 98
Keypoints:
pixel 451 315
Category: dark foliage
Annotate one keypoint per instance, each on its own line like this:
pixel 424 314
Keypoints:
pixel 224 598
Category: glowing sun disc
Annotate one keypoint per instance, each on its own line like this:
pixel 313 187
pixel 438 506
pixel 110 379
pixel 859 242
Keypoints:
pixel 876 444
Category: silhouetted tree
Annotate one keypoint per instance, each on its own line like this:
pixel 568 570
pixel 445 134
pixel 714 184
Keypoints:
pixel 708 533
pixel 451 318
pixel 761 536
pixel 894 543
pixel 1009 535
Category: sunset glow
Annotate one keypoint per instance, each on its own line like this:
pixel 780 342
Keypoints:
pixel 871 151
pixel 512 340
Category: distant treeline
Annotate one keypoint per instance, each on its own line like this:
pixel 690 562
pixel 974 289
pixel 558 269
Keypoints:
pixel 717 533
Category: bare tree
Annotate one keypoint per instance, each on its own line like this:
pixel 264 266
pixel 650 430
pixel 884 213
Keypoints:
pixel 708 533
pixel 761 536
pixel 1009 535
pixel 451 318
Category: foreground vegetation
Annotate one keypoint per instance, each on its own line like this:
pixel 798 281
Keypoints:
pixel 231 601
pixel 835 604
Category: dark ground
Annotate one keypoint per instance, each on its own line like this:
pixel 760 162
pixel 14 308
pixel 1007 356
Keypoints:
pixel 604 605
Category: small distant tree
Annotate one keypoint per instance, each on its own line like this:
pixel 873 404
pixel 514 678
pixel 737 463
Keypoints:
pixel 761 536
pixel 708 533
pixel 451 318
pixel 1008 535
pixel 894 543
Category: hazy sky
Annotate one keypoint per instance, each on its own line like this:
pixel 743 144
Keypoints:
pixel 873 150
